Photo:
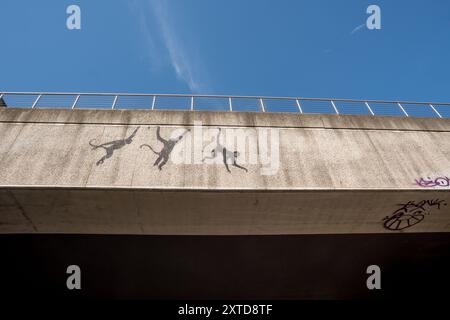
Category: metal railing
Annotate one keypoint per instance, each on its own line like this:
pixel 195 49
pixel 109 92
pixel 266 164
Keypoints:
pixel 121 101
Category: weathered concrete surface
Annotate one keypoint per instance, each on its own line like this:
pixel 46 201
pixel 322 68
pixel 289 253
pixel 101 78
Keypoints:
pixel 209 213
pixel 340 174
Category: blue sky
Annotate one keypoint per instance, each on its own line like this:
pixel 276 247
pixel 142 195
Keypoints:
pixel 232 47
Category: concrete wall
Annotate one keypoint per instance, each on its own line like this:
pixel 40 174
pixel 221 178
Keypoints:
pixel 51 148
pixel 352 163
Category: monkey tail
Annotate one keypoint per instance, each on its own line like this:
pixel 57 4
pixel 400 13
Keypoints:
pixel 148 146
pixel 93 145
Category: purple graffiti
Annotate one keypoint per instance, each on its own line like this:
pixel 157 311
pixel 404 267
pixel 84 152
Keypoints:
pixel 430 183
pixel 410 214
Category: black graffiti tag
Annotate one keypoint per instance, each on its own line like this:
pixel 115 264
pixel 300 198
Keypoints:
pixel 410 214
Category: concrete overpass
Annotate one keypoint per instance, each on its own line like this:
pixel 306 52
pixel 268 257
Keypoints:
pixel 90 171
pixel 300 218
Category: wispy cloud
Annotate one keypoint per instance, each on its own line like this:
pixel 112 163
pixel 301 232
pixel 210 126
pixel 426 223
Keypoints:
pixel 162 39
pixel 146 29
pixel 357 28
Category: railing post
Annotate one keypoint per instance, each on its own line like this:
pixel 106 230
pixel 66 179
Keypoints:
pixel 1 95
pixel 404 111
pixel 432 107
pixel 153 102
pixel 114 102
pixel 334 106
pixel 192 103
pixel 76 101
pixel 370 109
pixel 230 104
pixel 36 101
pixel 263 108
pixel 299 106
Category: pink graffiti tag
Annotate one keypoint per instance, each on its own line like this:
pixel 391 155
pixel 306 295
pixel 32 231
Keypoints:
pixel 430 183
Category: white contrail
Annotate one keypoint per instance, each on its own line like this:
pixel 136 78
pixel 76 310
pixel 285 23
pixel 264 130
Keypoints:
pixel 357 28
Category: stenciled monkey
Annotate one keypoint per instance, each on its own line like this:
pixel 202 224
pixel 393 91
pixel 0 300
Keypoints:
pixel 111 146
pixel 168 145
pixel 227 155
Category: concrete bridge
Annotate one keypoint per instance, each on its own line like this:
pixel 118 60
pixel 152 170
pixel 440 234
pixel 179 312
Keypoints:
pixel 175 173
pixel 145 202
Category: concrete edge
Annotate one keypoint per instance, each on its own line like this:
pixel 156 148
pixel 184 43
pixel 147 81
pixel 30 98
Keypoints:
pixel 228 190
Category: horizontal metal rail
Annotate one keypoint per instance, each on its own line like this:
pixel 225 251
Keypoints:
pixel 215 96
pixel 78 100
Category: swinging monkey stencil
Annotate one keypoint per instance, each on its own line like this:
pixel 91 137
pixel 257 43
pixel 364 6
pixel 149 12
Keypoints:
pixel 227 155
pixel 111 146
pixel 168 145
